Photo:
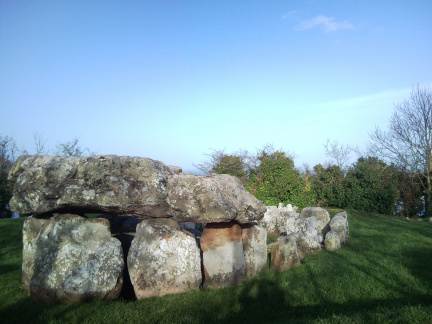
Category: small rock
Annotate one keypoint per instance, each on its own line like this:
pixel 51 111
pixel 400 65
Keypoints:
pixel 332 241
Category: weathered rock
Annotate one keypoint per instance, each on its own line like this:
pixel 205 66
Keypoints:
pixel 307 226
pixel 254 240
pixel 211 198
pixel 280 219
pixel 163 259
pixel 284 255
pixel 332 241
pixel 307 245
pixel 119 185
pixel 175 169
pixel 223 257
pixel 339 224
pixel 31 229
pixel 76 260
pixel 322 216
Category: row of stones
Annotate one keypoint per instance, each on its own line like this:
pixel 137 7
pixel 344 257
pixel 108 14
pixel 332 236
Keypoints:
pixel 70 258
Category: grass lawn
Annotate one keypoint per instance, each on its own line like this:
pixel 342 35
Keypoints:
pixel 383 275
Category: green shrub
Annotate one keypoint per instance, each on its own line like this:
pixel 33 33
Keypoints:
pixel 277 180
pixel 371 185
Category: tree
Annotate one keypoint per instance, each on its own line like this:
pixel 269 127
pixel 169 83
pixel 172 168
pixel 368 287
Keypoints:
pixel 72 148
pixel 277 180
pixel 408 139
pixel 7 155
pixel 371 185
pixel 328 185
pixel 235 164
pixel 339 153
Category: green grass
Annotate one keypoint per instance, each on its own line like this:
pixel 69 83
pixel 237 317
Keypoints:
pixel 383 275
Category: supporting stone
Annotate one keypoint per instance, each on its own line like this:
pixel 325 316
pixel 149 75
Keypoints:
pixel 223 257
pixel 76 260
pixel 284 255
pixel 254 240
pixel 163 259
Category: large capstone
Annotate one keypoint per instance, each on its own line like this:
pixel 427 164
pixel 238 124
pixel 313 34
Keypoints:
pixel 212 198
pixel 76 260
pixel 119 185
pixel 163 259
pixel 223 258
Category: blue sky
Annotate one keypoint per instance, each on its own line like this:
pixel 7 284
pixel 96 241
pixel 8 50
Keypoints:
pixel 171 79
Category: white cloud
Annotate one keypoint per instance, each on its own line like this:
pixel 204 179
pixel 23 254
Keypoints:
pixel 328 24
pixel 290 14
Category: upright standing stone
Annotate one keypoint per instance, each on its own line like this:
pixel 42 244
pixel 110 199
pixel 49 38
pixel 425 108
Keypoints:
pixel 322 217
pixel 163 259
pixel 284 255
pixel 76 260
pixel 332 241
pixel 254 239
pixel 223 257
pixel 31 229
pixel 339 224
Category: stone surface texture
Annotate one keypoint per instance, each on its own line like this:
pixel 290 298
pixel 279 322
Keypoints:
pixel 322 216
pixel 76 260
pixel 339 224
pixel 163 259
pixel 279 219
pixel 284 255
pixel 254 240
pixel 223 257
pixel 31 228
pixel 212 198
pixel 111 184
pixel 332 241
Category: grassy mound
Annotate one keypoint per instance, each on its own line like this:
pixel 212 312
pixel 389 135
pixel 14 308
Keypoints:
pixel 383 275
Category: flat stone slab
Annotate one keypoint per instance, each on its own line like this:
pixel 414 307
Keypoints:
pixel 213 198
pixel 119 185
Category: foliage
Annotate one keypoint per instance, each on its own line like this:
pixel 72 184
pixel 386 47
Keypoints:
pixel 371 185
pixel 7 146
pixel 408 140
pixel 382 276
pixel 277 180
pixel 410 193
pixel 230 164
pixel 328 185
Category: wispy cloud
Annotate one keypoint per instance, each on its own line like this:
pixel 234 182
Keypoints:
pixel 290 14
pixel 327 23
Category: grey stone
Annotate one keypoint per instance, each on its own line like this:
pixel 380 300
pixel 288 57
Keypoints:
pixel 322 216
pixel 254 240
pixel 163 259
pixel 307 245
pixel 211 198
pixel 76 260
pixel 284 255
pixel 223 257
pixel 31 228
pixel 119 185
pixel 339 224
pixel 332 241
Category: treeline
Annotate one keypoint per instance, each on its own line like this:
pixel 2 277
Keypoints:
pixel 369 184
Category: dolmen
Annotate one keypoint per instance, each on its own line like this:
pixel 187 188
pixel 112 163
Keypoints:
pixel 300 234
pixel 148 237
